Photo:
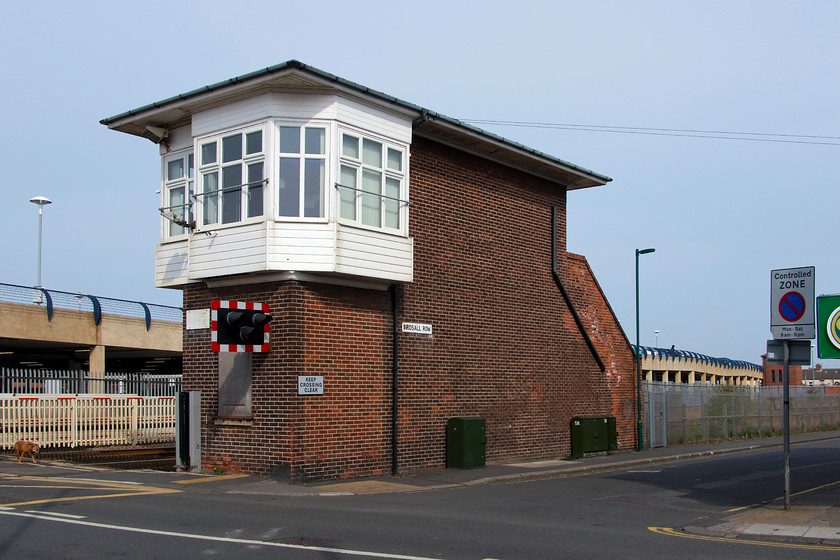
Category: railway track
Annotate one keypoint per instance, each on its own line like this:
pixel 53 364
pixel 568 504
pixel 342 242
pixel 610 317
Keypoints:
pixel 146 457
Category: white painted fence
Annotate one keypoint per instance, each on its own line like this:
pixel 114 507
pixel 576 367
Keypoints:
pixel 84 420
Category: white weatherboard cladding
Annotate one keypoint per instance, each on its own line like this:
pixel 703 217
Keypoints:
pixel 179 139
pixel 240 113
pixel 171 261
pixel 373 254
pixel 302 247
pixel 261 108
pixel 290 106
pixel 374 121
pixel 302 107
pixel 231 250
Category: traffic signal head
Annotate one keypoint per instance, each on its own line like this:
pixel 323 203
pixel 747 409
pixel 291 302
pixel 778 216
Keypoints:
pixel 238 326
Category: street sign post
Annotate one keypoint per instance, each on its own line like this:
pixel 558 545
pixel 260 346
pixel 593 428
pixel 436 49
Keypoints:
pixel 792 321
pixel 828 326
pixel 792 303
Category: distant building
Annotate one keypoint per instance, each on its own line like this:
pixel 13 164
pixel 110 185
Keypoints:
pixel 774 374
pixel 821 376
pixel 671 365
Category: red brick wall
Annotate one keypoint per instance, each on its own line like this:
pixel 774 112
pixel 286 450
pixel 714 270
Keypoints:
pixel 610 341
pixel 504 346
pixel 343 334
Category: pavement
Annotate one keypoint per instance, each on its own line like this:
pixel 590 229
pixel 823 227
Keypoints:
pixel 813 518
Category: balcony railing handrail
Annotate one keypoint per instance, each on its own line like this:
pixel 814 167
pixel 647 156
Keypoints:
pixel 226 189
pixel 380 195
pixel 99 305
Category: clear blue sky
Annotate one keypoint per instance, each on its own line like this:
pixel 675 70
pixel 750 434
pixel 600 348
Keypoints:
pixel 721 213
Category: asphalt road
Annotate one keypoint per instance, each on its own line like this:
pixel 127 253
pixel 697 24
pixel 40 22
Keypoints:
pixel 67 512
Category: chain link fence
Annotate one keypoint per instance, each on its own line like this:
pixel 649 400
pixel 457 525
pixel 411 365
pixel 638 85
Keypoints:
pixel 680 414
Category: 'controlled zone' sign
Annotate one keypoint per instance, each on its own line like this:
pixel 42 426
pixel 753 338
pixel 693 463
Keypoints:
pixel 792 303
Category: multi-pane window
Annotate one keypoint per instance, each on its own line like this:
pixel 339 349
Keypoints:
pixel 301 171
pixel 232 177
pixel 178 189
pixel 370 182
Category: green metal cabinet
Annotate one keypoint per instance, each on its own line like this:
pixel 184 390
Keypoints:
pixel 593 435
pixel 466 440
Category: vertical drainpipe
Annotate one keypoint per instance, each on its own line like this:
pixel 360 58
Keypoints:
pixel 566 297
pixel 395 368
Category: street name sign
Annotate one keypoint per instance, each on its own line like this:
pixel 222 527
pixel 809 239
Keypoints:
pixel 417 328
pixel 792 303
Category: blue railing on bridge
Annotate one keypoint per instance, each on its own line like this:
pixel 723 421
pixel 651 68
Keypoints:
pixel 98 305
pixel 677 354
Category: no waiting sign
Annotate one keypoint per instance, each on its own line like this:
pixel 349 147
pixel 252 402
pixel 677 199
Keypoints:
pixel 792 303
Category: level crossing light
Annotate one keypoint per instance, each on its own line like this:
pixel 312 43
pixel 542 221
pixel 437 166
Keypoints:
pixel 639 434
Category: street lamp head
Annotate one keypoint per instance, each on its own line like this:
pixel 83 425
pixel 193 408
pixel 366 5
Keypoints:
pixel 40 200
pixel 645 251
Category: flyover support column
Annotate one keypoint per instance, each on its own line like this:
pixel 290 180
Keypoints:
pixel 96 382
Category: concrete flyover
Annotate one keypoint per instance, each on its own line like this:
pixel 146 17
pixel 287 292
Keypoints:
pixel 683 366
pixel 77 332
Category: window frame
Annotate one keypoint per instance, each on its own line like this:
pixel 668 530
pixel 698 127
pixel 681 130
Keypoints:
pixel 303 157
pixel 398 204
pixel 221 198
pixel 187 182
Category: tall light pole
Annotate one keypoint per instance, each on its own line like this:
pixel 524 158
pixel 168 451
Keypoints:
pixel 656 333
pixel 639 434
pixel 41 201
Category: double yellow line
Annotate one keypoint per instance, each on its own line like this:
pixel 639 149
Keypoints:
pixel 674 533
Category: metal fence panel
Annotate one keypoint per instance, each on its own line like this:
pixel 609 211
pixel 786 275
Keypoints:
pixel 48 382
pixel 703 413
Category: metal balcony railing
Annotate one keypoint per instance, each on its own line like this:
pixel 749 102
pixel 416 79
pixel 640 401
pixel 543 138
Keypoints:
pixel 98 305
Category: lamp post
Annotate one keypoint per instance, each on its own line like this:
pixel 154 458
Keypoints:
pixel 656 333
pixel 41 201
pixel 639 434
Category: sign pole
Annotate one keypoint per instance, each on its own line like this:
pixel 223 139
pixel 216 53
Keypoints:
pixel 786 422
pixel 791 318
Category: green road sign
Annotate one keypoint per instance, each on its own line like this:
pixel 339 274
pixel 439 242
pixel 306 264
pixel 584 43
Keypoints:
pixel 828 326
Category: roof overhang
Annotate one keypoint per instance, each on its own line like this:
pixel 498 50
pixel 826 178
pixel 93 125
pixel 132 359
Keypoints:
pixel 177 111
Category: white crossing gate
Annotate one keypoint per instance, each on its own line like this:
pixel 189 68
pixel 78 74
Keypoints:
pixel 85 420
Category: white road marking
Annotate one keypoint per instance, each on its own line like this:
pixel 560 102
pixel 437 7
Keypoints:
pixel 57 514
pixel 250 542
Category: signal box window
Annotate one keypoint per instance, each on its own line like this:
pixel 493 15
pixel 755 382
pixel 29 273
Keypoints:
pixel 371 182
pixel 178 188
pixel 232 177
pixel 301 179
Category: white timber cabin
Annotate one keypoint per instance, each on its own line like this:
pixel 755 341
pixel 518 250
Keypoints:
pixel 286 175
pixel 293 173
